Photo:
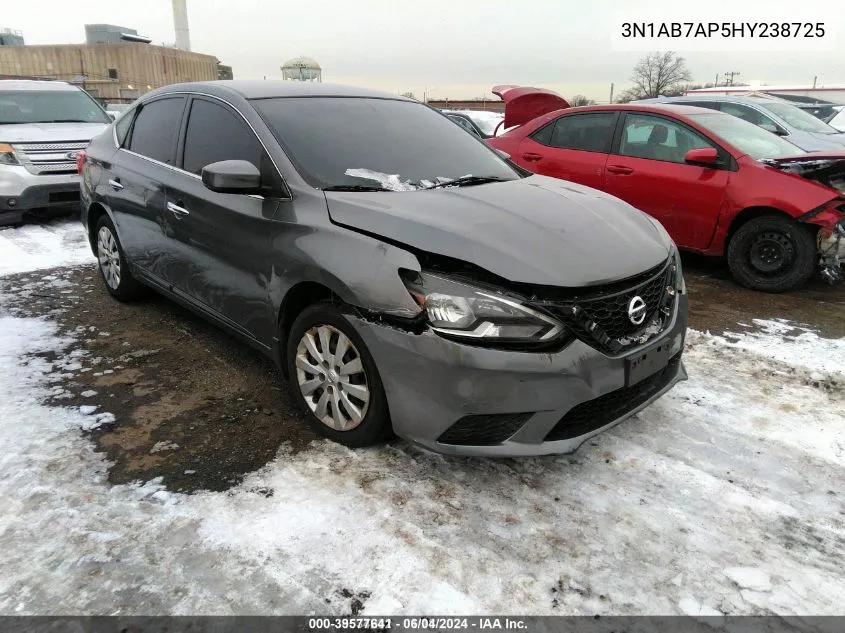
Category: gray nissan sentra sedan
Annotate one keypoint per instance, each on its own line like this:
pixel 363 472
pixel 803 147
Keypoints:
pixel 405 276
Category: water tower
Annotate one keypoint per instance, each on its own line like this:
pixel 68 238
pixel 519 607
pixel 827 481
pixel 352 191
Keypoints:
pixel 302 69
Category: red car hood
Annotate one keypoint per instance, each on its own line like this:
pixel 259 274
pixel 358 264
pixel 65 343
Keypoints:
pixel 523 103
pixel 826 168
pixel 807 157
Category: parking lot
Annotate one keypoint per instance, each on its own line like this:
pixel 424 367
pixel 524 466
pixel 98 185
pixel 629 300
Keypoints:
pixel 143 449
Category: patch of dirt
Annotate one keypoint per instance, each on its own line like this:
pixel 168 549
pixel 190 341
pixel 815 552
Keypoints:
pixel 191 404
pixel 718 304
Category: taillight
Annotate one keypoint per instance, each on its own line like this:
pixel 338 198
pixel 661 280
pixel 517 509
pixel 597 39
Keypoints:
pixel 80 161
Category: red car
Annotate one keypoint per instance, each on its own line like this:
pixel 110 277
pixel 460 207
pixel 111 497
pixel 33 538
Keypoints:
pixel 719 185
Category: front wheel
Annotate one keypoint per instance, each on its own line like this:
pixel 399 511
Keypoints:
pixel 772 254
pixel 336 380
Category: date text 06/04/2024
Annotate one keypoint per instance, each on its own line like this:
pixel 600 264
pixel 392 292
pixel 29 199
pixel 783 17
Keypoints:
pixel 723 29
pixel 416 624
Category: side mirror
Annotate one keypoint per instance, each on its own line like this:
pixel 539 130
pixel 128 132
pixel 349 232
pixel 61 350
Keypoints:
pixel 503 154
pixel 704 156
pixel 232 176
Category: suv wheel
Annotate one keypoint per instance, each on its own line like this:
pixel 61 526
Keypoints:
pixel 772 254
pixel 112 263
pixel 336 378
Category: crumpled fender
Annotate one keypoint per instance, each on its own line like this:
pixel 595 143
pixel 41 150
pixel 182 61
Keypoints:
pixel 524 103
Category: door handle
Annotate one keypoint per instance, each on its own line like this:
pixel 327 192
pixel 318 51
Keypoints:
pixel 620 169
pixel 175 209
pixel 115 184
pixel 531 157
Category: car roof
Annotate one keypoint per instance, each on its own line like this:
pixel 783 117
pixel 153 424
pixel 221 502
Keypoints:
pixel 265 89
pixel 755 99
pixel 682 110
pixel 32 84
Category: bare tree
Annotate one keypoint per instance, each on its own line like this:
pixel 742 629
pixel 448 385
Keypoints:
pixel 409 95
pixel 631 94
pixel 580 100
pixel 658 73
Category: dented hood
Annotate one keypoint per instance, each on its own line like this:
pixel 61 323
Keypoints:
pixel 535 230
pixel 523 103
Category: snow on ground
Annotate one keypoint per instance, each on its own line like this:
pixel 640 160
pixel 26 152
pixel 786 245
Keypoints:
pixel 723 497
pixel 37 246
pixel 809 351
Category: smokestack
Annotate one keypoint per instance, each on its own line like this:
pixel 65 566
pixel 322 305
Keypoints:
pixel 180 23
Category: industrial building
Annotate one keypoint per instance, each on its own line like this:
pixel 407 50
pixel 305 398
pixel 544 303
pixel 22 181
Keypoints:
pixel 116 64
pixel 119 72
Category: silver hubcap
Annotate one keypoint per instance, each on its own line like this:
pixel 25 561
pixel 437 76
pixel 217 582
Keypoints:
pixel 109 257
pixel 331 377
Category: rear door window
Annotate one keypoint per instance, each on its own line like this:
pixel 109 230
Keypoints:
pixel 589 132
pixel 751 115
pixel 156 128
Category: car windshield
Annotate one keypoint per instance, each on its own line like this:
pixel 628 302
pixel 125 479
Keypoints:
pixel 799 119
pixel 49 106
pixel 346 142
pixel 746 137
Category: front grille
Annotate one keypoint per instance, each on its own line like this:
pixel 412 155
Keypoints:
pixel 483 430
pixel 594 414
pixel 601 319
pixel 52 158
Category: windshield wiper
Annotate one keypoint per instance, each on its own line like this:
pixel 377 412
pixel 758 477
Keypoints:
pixel 467 181
pixel 68 121
pixel 354 188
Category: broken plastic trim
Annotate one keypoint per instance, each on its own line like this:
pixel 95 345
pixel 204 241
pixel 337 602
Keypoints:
pixel 823 170
pixel 830 217
pixel 831 246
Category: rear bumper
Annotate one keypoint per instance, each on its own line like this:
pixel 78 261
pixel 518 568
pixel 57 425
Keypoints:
pixel 455 399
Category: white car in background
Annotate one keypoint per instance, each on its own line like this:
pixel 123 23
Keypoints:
pixel 43 127
pixel 485 123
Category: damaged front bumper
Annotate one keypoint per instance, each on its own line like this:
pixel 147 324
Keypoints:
pixel 831 244
pixel 458 399
pixel 830 218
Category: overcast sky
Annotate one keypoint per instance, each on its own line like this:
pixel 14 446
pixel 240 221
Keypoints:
pixel 449 48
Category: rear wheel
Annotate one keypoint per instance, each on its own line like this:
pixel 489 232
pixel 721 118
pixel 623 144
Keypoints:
pixel 772 254
pixel 336 380
pixel 112 263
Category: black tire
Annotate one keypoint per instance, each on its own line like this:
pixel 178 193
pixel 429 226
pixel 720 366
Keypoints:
pixel 772 253
pixel 126 287
pixel 375 426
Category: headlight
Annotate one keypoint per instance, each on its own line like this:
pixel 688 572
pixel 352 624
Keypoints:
pixel 458 310
pixel 7 155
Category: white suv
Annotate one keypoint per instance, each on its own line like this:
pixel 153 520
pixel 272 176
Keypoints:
pixel 43 125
